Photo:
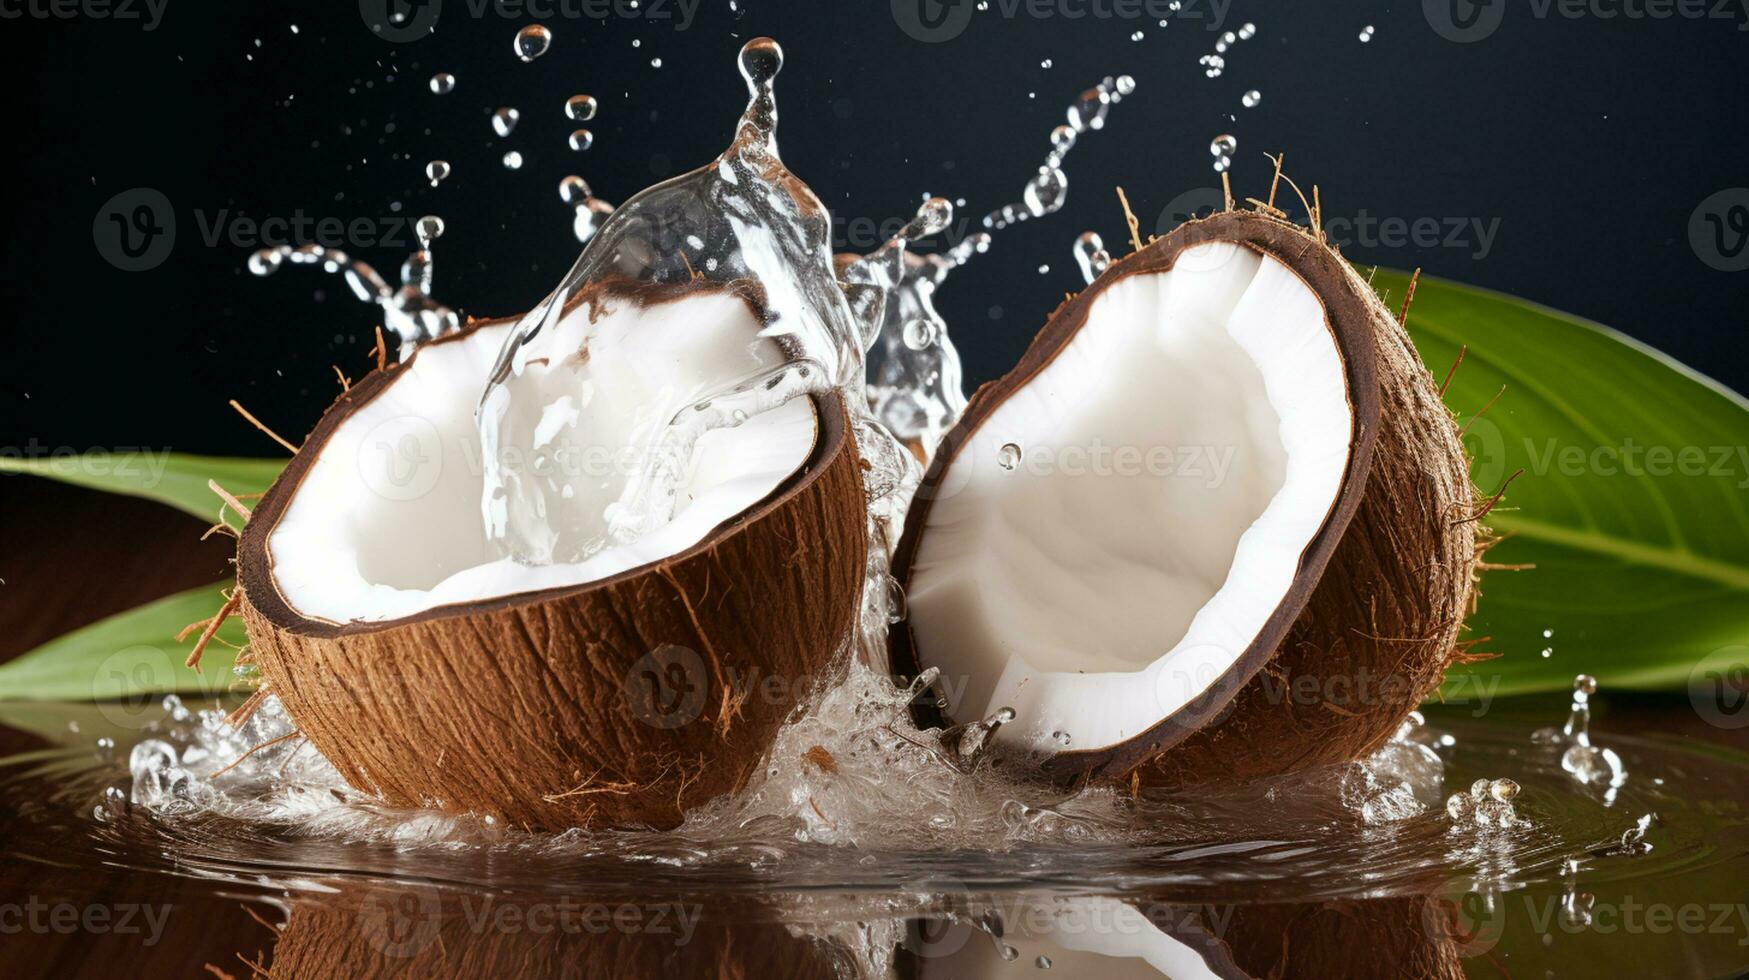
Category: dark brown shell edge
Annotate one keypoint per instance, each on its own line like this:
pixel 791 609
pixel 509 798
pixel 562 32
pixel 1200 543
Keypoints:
pixel 1241 727
pixel 519 707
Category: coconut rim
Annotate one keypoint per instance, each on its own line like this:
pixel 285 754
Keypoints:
pixel 255 559
pixel 1348 315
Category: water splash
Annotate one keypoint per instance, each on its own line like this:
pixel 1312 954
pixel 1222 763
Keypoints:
pixel 1047 191
pixel 915 378
pixel 1487 806
pixel 742 222
pixel 1398 781
pixel 410 312
pixel 915 381
pixel 1590 764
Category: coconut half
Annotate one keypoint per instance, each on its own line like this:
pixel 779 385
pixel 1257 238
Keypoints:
pixel 1128 539
pixel 433 672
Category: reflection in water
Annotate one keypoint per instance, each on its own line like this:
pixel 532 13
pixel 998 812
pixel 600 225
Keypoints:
pixel 408 929
pixel 1284 878
pixel 421 930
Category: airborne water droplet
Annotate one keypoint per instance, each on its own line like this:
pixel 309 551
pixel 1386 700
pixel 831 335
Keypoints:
pixel 1008 457
pixel 442 83
pixel 581 107
pixel 436 171
pixel 573 189
pixel 532 41
pixel 589 217
pixel 504 120
pixel 1091 256
pixel 428 229
pixel 1366 34
pixel 1251 99
pixel 1223 145
pixel 1089 110
pixel 1046 192
pixel 266 261
pixel 513 160
pixel 580 140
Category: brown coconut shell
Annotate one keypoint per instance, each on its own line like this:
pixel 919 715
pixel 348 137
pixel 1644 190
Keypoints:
pixel 526 707
pixel 1372 620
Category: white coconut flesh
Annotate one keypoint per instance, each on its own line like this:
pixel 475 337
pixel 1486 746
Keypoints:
pixel 387 522
pixel 1083 937
pixel 1177 458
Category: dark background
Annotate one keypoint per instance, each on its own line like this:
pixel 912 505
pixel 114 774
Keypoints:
pixel 1591 140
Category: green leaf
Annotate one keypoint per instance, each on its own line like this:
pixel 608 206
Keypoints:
pixel 128 655
pixel 176 479
pixel 1633 505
